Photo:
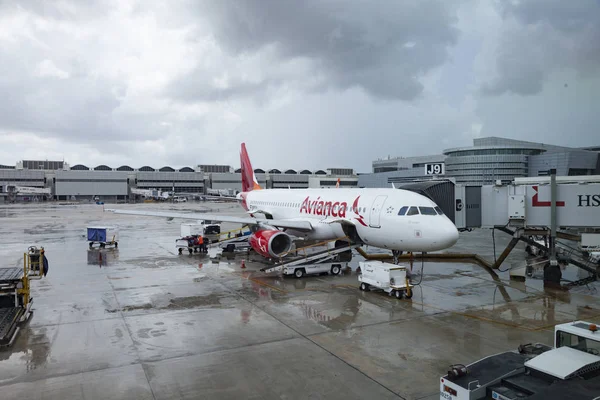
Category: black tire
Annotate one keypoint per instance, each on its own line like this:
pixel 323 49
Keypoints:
pixel 398 294
pixel 364 287
pixel 299 272
pixel 552 274
pixel 91 244
pixel 116 244
pixel 335 269
pixel 180 251
pixel 408 296
pixel 191 251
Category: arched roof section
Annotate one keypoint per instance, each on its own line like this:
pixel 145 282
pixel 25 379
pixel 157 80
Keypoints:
pixel 186 169
pixel 238 171
pixel 305 172
pixel 274 171
pixel 259 171
pixel 146 168
pixel 79 167
pixel 166 169
pixel 320 172
pixel 103 168
pixel 290 171
pixel 124 168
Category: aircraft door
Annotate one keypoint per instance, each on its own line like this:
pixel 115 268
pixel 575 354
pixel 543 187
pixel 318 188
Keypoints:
pixel 376 211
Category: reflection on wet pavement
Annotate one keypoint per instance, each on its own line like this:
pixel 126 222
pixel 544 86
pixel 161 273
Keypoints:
pixel 185 326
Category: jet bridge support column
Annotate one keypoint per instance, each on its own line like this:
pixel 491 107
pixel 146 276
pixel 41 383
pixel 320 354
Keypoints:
pixel 552 273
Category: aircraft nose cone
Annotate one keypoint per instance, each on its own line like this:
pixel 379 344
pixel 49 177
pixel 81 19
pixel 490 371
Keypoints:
pixel 450 235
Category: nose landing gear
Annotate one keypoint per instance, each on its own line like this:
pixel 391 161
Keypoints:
pixel 396 254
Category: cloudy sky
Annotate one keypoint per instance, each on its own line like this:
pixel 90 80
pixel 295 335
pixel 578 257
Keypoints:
pixel 315 83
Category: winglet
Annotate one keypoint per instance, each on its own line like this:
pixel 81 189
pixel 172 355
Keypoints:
pixel 249 181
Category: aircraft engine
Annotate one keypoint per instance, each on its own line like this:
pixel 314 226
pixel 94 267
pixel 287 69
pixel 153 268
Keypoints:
pixel 270 243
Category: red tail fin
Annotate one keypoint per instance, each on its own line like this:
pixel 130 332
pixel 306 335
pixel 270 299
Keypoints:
pixel 249 181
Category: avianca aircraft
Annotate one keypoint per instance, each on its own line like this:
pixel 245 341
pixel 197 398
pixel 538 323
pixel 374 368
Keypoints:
pixel 395 219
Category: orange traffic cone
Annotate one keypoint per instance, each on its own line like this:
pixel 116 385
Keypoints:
pixel 243 264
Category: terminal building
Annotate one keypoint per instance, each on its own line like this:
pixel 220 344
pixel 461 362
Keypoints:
pixel 81 182
pixel 489 160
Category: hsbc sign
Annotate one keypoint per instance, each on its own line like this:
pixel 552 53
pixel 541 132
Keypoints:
pixel 588 200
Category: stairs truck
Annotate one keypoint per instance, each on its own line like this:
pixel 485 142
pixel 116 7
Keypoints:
pixel 569 370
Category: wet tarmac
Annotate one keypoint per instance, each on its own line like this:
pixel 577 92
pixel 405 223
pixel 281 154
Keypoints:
pixel 142 322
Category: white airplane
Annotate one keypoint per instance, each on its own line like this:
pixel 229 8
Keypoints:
pixel 395 219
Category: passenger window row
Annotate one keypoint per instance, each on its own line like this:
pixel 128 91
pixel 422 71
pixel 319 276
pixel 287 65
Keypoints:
pixel 414 210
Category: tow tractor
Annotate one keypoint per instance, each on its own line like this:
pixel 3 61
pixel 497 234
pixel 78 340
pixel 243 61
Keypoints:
pixel 190 234
pixel 570 370
pixel 15 299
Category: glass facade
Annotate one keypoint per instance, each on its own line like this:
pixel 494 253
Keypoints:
pixel 44 165
pixel 494 152
pixel 483 166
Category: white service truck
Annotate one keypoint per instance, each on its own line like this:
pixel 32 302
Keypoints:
pixel 333 268
pixel 569 370
pixel 391 278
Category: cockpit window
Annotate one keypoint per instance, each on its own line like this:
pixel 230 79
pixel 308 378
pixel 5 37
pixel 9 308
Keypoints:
pixel 427 211
pixel 413 211
pixel 439 210
pixel 403 210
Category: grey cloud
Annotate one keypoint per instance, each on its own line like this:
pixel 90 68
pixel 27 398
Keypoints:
pixel 195 86
pixel 82 108
pixel 546 35
pixel 382 47
pixel 71 100
pixel 67 10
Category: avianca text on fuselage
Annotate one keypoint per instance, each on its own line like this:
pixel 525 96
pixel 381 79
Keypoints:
pixel 325 208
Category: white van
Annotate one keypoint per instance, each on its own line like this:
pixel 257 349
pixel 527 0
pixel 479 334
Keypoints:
pixel 390 278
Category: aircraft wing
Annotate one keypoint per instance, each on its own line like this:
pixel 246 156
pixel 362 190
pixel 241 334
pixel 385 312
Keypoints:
pixel 280 223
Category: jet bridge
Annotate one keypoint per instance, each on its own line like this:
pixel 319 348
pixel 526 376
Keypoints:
pixel 527 203
pixel 564 207
pixel 24 191
pixel 462 204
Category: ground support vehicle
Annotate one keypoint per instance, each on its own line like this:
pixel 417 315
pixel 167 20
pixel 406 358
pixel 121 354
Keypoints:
pixel 391 278
pixel 192 244
pixel 317 262
pixel 190 234
pixel 315 268
pixel 569 370
pixel 15 299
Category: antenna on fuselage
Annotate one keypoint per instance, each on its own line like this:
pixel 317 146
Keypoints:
pixel 393 186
